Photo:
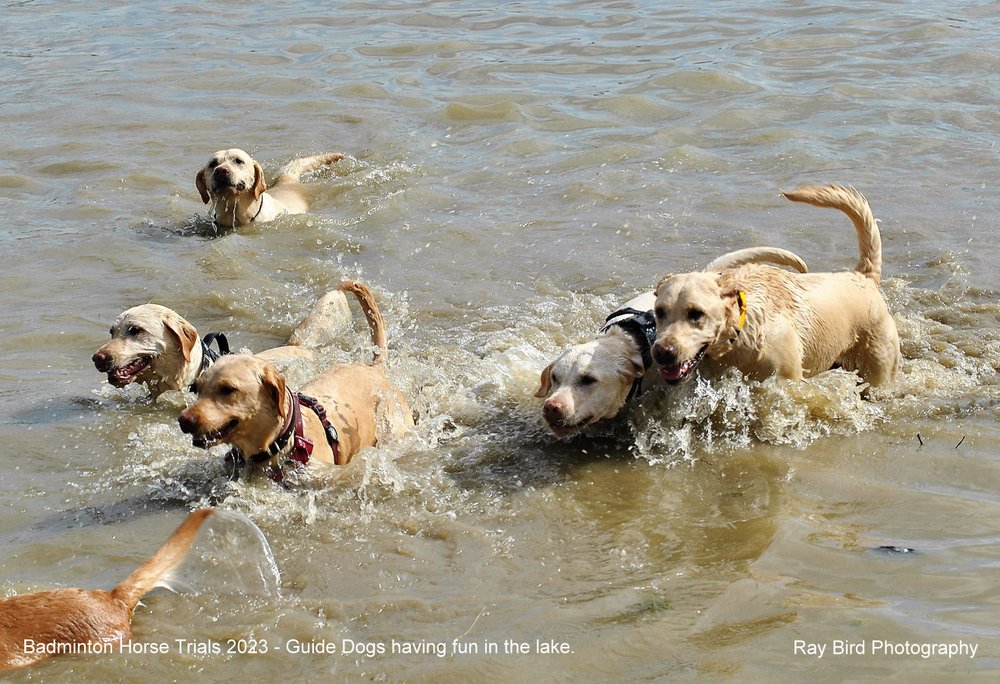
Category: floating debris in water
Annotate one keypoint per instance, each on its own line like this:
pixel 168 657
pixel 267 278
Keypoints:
pixel 890 549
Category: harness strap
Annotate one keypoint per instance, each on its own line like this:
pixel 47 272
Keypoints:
pixel 209 355
pixel 641 327
pixel 294 430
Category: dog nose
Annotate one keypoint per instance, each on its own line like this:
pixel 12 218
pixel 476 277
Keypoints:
pixel 101 362
pixel 552 411
pixel 664 354
pixel 188 423
pixel 222 172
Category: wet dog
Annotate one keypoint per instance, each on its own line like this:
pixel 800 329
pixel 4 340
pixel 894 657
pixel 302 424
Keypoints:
pixel 154 345
pixel 244 401
pixel 37 626
pixel 235 184
pixel 766 321
pixel 592 381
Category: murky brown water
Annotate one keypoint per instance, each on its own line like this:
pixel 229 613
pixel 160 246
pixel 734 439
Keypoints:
pixel 514 173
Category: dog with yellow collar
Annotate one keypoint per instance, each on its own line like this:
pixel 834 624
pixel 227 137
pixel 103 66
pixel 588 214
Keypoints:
pixel 592 381
pixel 768 321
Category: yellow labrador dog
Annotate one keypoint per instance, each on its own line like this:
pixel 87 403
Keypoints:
pixel 244 401
pixel 235 184
pixel 34 627
pixel 766 321
pixel 154 345
pixel 592 381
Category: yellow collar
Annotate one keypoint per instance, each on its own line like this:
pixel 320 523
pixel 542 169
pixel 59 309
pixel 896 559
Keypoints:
pixel 742 296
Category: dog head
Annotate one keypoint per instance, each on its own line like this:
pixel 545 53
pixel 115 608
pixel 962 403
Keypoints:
pixel 589 382
pixel 241 401
pixel 150 344
pixel 695 315
pixel 231 174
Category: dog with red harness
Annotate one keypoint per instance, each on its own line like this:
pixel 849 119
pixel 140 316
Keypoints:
pixel 244 401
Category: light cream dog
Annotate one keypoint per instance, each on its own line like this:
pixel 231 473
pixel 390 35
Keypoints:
pixel 767 321
pixel 75 617
pixel 592 381
pixel 244 401
pixel 235 183
pixel 154 345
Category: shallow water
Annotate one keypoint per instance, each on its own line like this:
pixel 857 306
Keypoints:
pixel 513 174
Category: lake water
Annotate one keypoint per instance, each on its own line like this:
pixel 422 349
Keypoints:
pixel 514 172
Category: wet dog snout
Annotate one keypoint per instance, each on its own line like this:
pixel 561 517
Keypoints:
pixel 553 411
pixel 188 423
pixel 664 354
pixel 101 361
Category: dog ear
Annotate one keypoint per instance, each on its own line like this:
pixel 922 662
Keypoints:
pixel 185 333
pixel 736 304
pixel 274 385
pixel 202 186
pixel 546 382
pixel 656 290
pixel 259 186
pixel 638 367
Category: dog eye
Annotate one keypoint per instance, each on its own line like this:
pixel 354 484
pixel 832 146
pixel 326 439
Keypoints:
pixel 227 390
pixel 587 380
pixel 212 164
pixel 238 161
pixel 660 313
pixel 134 330
pixel 695 315
pixel 111 331
pixel 554 378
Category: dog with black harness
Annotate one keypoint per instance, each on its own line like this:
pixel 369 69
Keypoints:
pixel 155 346
pixel 593 381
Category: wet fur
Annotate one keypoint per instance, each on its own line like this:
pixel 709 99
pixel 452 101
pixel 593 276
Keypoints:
pixel 234 183
pixel 81 616
pixel 166 351
pixel 242 401
pixel 591 382
pixel 796 325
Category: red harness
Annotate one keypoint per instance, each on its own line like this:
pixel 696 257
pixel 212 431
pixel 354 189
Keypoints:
pixel 294 429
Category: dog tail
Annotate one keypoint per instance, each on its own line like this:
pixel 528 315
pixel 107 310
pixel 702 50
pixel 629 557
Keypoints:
pixel 755 255
pixel 375 321
pixel 854 204
pixel 293 170
pixel 166 558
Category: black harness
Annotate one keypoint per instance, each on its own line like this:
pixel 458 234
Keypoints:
pixel 209 355
pixel 641 327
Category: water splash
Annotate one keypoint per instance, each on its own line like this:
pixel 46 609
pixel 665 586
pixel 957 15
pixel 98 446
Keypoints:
pixel 230 555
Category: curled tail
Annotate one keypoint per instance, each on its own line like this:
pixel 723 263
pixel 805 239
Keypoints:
pixel 854 204
pixel 293 170
pixel 375 321
pixel 166 558
pixel 756 255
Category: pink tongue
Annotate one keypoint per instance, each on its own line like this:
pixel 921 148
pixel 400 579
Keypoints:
pixel 670 374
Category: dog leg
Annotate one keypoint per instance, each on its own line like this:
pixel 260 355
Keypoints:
pixel 329 315
pixel 293 170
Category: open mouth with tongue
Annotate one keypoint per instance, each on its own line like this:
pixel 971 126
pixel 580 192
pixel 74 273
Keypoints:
pixel 682 371
pixel 119 377
pixel 207 440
